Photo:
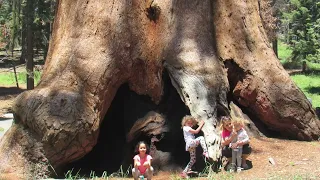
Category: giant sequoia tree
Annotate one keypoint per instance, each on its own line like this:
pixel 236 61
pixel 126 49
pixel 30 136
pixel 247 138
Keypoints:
pixel 205 52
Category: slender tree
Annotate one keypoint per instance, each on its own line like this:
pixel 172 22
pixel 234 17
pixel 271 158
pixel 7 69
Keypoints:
pixel 23 34
pixel 14 25
pixel 29 39
pixel 48 21
pixel 5 22
pixel 44 17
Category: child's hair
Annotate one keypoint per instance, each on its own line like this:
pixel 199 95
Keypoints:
pixel 186 118
pixel 136 151
pixel 239 121
pixel 223 121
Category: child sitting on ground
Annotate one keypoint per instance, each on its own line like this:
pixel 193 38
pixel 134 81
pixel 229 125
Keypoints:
pixel 142 162
pixel 191 142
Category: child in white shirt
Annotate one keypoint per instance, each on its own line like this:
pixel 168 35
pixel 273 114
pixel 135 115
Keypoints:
pixel 191 142
pixel 242 138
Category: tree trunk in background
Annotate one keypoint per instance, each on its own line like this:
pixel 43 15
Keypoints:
pixel 46 28
pixel 29 40
pixel 97 46
pixel 23 35
pixel 275 46
pixel 14 25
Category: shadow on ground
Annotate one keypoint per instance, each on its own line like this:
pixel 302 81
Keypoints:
pixel 227 167
pixel 4 91
pixel 313 90
pixel 308 72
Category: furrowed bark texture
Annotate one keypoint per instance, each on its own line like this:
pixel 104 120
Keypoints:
pixel 98 45
pixel 256 77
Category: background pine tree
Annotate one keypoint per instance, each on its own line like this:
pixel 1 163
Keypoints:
pixel 302 18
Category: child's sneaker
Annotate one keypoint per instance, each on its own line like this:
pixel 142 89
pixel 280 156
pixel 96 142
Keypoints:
pixel 184 175
pixel 206 154
pixel 232 167
pixel 239 169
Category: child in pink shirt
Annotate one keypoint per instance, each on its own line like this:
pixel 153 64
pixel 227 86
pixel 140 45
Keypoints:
pixel 142 162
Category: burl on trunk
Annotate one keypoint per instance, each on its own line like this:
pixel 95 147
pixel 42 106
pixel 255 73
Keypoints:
pixel 97 46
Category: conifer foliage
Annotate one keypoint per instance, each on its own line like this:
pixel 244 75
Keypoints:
pixel 302 18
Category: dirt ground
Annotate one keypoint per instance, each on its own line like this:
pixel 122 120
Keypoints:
pixel 293 159
pixel 7 95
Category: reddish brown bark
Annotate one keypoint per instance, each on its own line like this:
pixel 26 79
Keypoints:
pixel 98 45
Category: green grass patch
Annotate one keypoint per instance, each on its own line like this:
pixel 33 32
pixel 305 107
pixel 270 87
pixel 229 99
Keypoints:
pixel 310 85
pixel 284 52
pixel 120 174
pixel 1 129
pixel 8 78
pixel 284 55
pixel 73 175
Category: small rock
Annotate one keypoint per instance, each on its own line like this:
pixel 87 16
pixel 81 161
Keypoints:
pixel 271 160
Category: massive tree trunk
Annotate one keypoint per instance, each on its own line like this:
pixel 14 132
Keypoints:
pixel 98 46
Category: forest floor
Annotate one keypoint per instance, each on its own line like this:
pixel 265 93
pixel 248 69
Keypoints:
pixel 293 159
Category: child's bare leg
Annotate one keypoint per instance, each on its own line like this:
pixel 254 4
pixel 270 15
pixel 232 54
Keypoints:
pixel 135 173
pixel 149 173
